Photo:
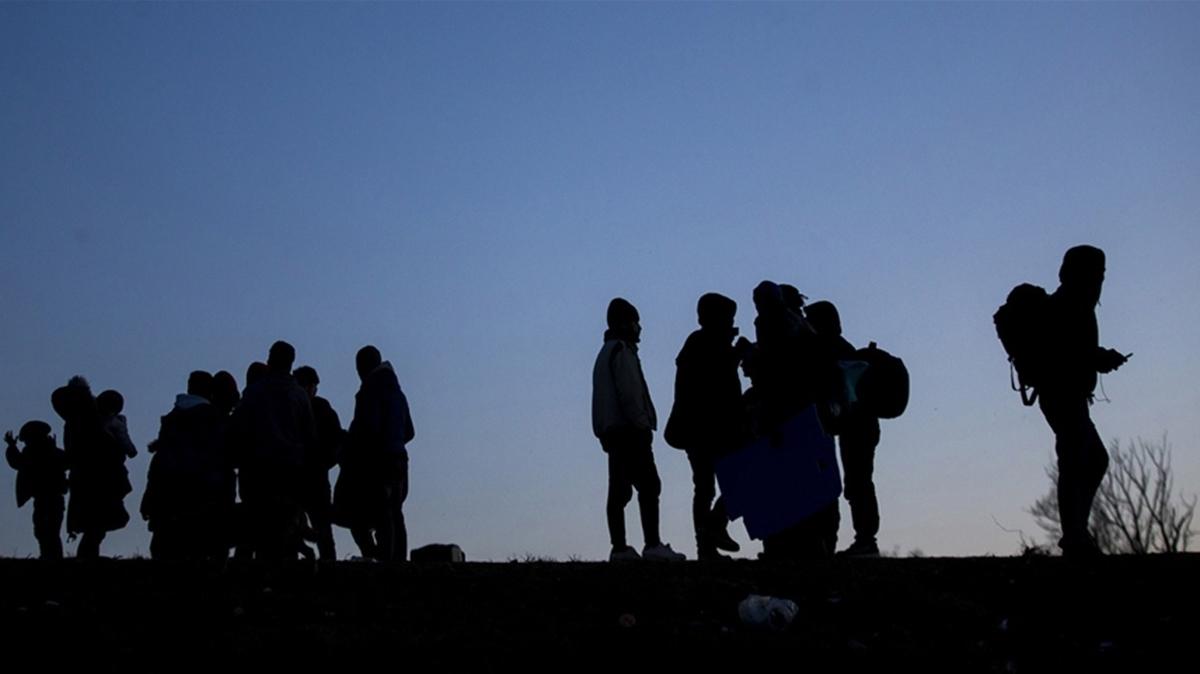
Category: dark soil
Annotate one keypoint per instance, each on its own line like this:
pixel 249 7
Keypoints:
pixel 979 614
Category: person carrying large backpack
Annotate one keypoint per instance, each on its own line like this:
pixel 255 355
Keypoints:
pixel 1054 345
pixel 858 437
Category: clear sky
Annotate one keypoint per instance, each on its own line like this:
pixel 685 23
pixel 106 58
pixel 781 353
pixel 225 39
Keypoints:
pixel 466 186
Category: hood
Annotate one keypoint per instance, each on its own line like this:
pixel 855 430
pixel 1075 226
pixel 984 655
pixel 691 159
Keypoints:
pixel 186 401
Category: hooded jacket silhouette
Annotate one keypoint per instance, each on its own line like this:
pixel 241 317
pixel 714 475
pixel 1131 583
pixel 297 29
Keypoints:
pixel 375 446
pixel 186 498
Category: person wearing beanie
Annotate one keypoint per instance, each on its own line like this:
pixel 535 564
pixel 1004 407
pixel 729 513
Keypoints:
pixel 708 418
pixel 1075 359
pixel 623 419
pixel 186 504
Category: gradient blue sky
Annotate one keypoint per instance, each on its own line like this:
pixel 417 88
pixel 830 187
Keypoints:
pixel 466 186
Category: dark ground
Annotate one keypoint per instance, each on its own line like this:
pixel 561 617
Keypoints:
pixel 980 614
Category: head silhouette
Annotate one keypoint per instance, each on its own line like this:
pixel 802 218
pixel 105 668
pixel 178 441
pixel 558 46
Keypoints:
pixel 715 311
pixel 823 317
pixel 792 297
pixel 280 357
pixel 623 319
pixel 255 372
pixel 307 378
pixel 110 403
pixel 200 383
pixel 1082 273
pixel 73 400
pixel 34 432
pixel 768 298
pixel 366 360
pixel 225 391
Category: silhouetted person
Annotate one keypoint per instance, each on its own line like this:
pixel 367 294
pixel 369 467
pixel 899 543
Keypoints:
pixel 42 476
pixel 793 304
pixel 707 419
pixel 99 481
pixel 110 404
pixel 776 363
pixel 624 420
pixel 255 372
pixel 185 502
pixel 857 439
pixel 225 397
pixel 373 483
pixel 270 433
pixel 1066 391
pixel 225 392
pixel 790 370
pixel 318 500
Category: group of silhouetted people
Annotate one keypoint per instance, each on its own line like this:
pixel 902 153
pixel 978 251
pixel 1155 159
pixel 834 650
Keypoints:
pixel 249 471
pixel 801 359
pixel 244 471
pixel 95 446
pixel 793 364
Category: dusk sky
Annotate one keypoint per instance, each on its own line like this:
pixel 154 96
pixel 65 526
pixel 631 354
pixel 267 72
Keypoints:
pixel 466 186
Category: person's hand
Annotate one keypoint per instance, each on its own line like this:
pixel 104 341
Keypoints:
pixel 10 439
pixel 1111 359
pixel 742 347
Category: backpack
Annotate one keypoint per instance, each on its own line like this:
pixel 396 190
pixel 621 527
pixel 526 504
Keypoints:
pixel 1020 325
pixel 882 390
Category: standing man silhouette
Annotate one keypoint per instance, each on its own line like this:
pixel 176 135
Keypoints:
pixel 623 419
pixel 1074 359
pixel 708 418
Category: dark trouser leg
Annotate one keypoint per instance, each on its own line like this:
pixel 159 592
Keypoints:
pixel 1082 463
pixel 365 542
pixel 276 528
pixel 832 521
pixel 215 532
pixel 649 487
pixel 704 490
pixel 89 545
pixel 319 510
pixel 620 491
pixel 630 466
pixel 168 543
pixel 720 518
pixel 858 464
pixel 324 534
pixel 47 525
pixel 393 535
